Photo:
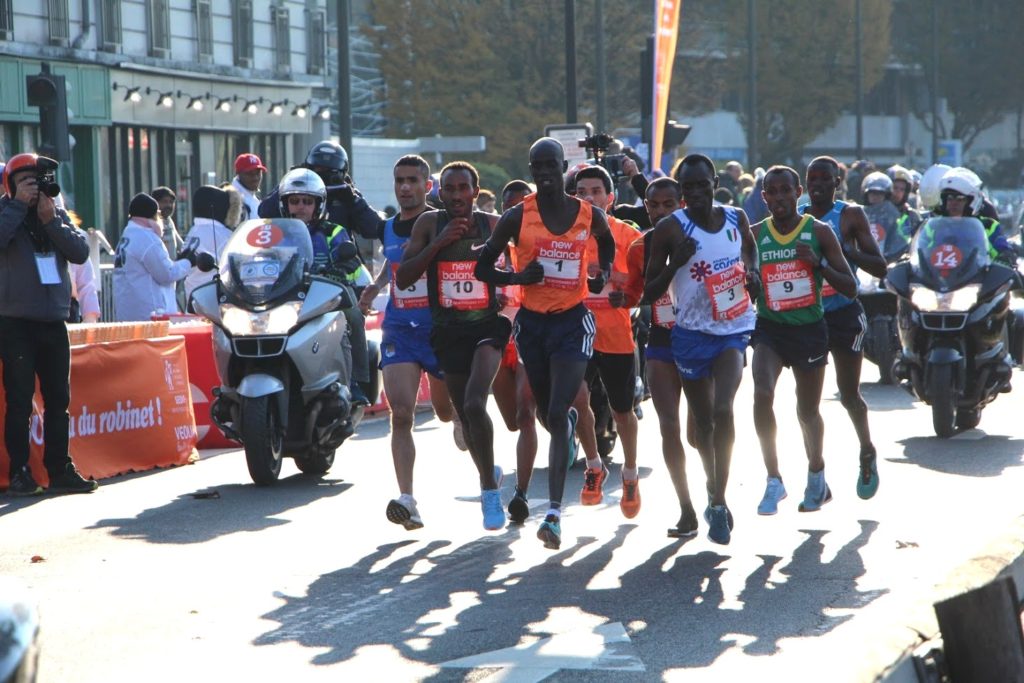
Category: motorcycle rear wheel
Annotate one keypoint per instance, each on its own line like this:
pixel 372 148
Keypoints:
pixel 942 396
pixel 263 439
pixel 885 350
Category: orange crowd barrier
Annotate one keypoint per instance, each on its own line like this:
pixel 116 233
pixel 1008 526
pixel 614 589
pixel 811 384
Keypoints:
pixel 131 408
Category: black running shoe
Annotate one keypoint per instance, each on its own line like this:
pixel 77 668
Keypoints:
pixel 70 481
pixel 22 484
pixel 518 508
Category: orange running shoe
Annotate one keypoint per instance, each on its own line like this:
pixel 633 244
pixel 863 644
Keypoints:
pixel 630 503
pixel 593 481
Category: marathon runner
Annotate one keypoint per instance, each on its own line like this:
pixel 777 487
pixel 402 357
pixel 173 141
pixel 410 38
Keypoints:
pixel 405 343
pixel 795 253
pixel 843 315
pixel 550 232
pixel 708 249
pixel 468 335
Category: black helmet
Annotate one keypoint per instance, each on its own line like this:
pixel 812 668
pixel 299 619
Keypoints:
pixel 327 154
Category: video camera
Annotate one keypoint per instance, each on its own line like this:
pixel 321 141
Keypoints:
pixel 597 146
pixel 46 176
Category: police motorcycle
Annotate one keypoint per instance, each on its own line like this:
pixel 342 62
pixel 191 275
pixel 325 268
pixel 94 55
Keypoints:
pixel 278 330
pixel 960 339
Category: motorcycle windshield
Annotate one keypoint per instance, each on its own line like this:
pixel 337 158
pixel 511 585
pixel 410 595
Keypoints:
pixel 265 258
pixel 948 253
pixel 883 219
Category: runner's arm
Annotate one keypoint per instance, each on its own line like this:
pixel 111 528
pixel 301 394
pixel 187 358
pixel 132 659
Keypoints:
pixel 605 242
pixel 667 252
pixel 834 268
pixel 419 251
pixel 748 253
pixel 866 253
pixel 505 230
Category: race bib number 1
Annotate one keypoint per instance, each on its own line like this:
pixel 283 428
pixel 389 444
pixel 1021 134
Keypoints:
pixel 562 261
pixel 410 297
pixel 788 285
pixel 727 293
pixel 459 290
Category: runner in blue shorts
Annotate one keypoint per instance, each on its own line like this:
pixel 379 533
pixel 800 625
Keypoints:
pixel 699 252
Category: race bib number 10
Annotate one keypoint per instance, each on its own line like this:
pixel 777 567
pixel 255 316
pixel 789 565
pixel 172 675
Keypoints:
pixel 459 290
pixel 788 285
pixel 562 261
pixel 414 296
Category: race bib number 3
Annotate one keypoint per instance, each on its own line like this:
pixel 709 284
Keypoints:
pixel 410 297
pixel 662 313
pixel 788 285
pixel 459 290
pixel 728 295
pixel 562 261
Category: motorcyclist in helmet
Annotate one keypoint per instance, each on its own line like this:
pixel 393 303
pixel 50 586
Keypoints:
pixel 960 196
pixel 883 216
pixel 302 195
pixel 904 200
pixel 344 204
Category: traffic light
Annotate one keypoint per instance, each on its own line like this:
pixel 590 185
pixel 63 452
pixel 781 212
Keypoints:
pixel 47 91
pixel 675 134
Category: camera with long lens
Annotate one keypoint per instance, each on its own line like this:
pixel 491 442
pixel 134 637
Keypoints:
pixel 597 146
pixel 46 176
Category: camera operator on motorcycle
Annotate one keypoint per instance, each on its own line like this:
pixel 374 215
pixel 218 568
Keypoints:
pixel 960 196
pixel 344 204
pixel 905 200
pixel 302 195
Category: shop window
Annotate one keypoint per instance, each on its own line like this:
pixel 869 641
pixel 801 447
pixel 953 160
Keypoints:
pixel 6 20
pixel 316 43
pixel 242 19
pixel 111 25
pixel 282 38
pixel 159 28
pixel 204 30
pixel 59 27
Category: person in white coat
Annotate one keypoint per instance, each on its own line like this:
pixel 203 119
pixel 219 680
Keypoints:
pixel 216 213
pixel 144 275
pixel 249 170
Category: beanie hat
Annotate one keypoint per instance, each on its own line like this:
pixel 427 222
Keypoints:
pixel 210 201
pixel 143 206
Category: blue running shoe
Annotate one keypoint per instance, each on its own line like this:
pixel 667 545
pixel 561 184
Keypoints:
pixel 817 492
pixel 573 444
pixel 550 532
pixel 707 514
pixel 718 529
pixel 494 514
pixel 773 493
pixel 867 482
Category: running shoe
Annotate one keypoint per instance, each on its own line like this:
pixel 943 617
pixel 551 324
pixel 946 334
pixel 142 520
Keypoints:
pixel 593 485
pixel 773 493
pixel 550 532
pixel 490 504
pixel 686 527
pixel 707 513
pixel 867 482
pixel 573 444
pixel 518 507
pixel 402 510
pixel 718 530
pixel 817 492
pixel 459 435
pixel 630 501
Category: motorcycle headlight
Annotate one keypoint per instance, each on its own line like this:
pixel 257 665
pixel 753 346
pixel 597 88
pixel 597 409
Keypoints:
pixel 277 320
pixel 959 300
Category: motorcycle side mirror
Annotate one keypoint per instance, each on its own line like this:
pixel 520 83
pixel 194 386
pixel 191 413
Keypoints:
pixel 205 262
pixel 897 280
pixel 347 250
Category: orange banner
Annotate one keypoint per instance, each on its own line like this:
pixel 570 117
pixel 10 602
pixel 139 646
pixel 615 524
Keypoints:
pixel 131 410
pixel 666 30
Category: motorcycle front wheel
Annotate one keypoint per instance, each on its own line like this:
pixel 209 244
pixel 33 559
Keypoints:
pixel 263 439
pixel 942 396
pixel 315 461
pixel 885 349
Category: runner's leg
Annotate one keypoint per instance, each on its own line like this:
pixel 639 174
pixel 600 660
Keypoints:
pixel 808 398
pixel 401 384
pixel 766 367
pixel 665 384
pixel 848 366
pixel 727 371
pixel 566 376
pixel 480 429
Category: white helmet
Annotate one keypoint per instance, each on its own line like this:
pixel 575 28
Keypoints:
pixel 966 182
pixel 929 188
pixel 303 181
pixel 876 182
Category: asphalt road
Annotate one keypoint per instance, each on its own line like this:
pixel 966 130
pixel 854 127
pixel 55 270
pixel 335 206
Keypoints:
pixel 194 574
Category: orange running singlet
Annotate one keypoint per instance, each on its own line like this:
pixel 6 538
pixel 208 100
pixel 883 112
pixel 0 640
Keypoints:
pixel 564 258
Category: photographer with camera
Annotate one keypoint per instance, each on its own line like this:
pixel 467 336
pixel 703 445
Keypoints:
pixel 144 275
pixel 626 170
pixel 345 205
pixel 36 245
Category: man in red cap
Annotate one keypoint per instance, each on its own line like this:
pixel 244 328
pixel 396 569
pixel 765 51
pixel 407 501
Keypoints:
pixel 249 172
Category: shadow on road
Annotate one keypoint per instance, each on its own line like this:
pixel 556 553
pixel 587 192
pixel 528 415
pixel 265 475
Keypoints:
pixel 986 457
pixel 217 511
pixel 431 608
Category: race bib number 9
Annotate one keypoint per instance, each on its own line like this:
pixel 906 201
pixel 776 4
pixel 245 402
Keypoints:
pixel 562 261
pixel 414 296
pixel 727 293
pixel 459 290
pixel 662 312
pixel 788 285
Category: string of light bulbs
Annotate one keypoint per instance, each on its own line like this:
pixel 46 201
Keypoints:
pixel 224 104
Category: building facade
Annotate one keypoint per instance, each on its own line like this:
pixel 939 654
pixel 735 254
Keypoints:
pixel 166 92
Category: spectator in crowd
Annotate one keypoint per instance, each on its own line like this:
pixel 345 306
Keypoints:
pixel 217 212
pixel 36 244
pixel 730 176
pixel 724 196
pixel 755 206
pixel 144 275
pixel 485 201
pixel 249 170
pixel 85 300
pixel 744 186
pixel 164 196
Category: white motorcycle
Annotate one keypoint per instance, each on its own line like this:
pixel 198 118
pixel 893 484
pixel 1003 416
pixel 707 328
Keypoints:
pixel 278 333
